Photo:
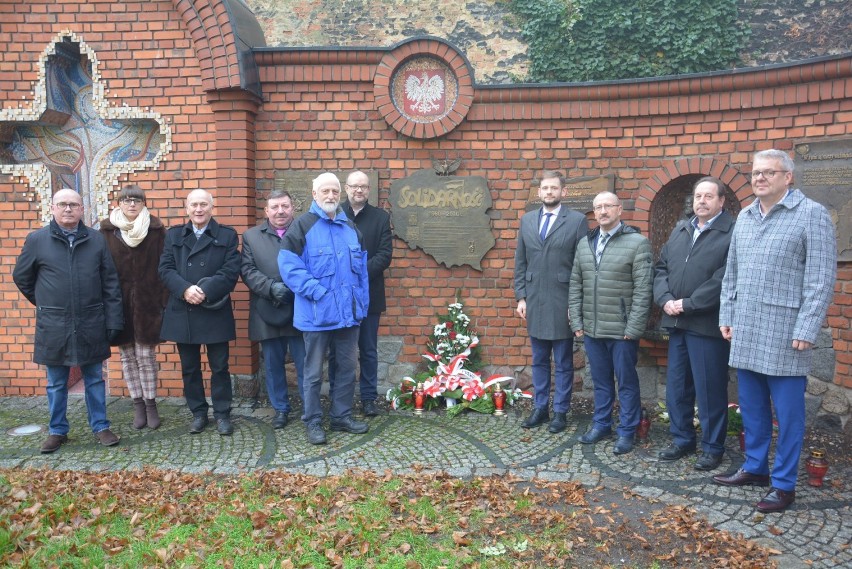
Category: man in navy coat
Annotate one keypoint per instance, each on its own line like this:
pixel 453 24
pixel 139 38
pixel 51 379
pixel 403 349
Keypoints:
pixel 200 267
pixel 687 285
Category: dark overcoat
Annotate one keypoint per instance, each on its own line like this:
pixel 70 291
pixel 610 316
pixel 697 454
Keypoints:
pixel 143 293
pixel 185 261
pixel 693 272
pixel 76 293
pixel 543 271
pixel 374 225
pixel 259 271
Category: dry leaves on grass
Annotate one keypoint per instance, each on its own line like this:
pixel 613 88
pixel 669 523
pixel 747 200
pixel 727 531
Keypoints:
pixel 302 515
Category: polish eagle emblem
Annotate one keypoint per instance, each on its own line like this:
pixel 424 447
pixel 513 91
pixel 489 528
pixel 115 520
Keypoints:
pixel 425 94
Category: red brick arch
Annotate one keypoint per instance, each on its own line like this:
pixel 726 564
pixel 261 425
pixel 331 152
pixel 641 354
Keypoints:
pixel 672 169
pixel 209 24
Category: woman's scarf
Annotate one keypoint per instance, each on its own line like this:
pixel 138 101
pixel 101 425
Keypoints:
pixel 133 232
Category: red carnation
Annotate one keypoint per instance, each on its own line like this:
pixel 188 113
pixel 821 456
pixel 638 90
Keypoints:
pixel 449 325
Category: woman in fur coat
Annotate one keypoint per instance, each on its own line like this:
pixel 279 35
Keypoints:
pixel 135 238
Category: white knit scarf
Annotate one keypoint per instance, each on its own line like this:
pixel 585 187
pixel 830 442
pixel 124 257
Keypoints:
pixel 133 232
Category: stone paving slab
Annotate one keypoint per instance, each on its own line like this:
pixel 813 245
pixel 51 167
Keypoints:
pixel 815 532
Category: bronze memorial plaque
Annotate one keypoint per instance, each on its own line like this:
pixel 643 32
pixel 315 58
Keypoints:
pixel 446 216
pixel 579 192
pixel 824 174
pixel 300 182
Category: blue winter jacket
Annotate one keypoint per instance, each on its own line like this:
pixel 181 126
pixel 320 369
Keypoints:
pixel 323 262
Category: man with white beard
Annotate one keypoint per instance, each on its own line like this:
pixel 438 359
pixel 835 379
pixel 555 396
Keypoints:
pixel 323 262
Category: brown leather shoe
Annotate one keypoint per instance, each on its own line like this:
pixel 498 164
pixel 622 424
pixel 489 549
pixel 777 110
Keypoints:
pixel 52 443
pixel 107 438
pixel 776 501
pixel 741 478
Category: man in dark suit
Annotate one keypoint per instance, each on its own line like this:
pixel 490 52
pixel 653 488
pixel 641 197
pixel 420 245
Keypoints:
pixel 200 267
pixel 687 285
pixel 544 256
pixel 374 225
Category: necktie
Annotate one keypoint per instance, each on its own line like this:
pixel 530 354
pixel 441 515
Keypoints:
pixel 602 239
pixel 545 226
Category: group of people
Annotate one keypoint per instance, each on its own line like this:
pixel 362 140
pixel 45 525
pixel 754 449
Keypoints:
pixel 316 286
pixel 751 295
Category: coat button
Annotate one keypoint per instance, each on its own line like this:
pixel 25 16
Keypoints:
pixel 189 264
pixel 202 263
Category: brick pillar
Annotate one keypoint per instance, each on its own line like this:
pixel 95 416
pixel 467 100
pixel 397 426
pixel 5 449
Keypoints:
pixel 235 197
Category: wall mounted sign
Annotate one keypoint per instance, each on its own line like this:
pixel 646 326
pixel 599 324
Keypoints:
pixel 445 216
pixel 824 174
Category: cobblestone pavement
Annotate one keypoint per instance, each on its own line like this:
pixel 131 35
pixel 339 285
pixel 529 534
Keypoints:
pixel 815 532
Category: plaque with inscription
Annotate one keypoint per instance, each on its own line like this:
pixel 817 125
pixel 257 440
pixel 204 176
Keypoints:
pixel 579 192
pixel 300 182
pixel 445 216
pixel 824 174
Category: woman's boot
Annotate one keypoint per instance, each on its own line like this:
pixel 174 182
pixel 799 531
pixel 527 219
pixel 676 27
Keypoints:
pixel 153 418
pixel 140 418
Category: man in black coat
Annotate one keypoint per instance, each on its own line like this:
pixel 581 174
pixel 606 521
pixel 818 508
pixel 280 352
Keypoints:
pixel 374 225
pixel 67 272
pixel 200 267
pixel 687 286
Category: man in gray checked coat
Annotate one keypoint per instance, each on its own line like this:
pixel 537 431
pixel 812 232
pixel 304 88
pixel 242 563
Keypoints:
pixel 777 287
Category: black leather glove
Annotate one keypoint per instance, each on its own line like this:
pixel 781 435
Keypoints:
pixel 279 291
pixel 112 336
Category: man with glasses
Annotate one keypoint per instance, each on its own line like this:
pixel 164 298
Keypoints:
pixel 66 271
pixel 374 225
pixel 547 239
pixel 610 300
pixel 776 291
pixel 687 283
pixel 323 262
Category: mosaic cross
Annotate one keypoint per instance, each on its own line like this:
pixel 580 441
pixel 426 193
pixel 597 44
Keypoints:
pixel 70 137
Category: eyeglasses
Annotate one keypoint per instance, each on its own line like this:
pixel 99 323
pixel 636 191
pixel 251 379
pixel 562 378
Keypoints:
pixel 132 201
pixel 67 205
pixel 362 188
pixel 768 174
pixel 605 206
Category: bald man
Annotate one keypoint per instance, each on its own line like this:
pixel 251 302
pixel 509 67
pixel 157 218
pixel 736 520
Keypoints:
pixel 200 267
pixel 66 271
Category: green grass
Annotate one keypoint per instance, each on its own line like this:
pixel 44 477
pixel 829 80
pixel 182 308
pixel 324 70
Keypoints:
pixel 273 519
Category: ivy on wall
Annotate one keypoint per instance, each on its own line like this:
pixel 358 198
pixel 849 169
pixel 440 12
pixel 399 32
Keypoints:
pixel 595 40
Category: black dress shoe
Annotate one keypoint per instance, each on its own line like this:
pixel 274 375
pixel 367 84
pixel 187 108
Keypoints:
pixel 559 423
pixel 350 425
pixel 708 461
pixel 370 408
pixel 741 478
pixel 674 452
pixel 776 501
pixel 623 445
pixel 280 420
pixel 594 435
pixel 198 424
pixel 224 426
pixel 536 418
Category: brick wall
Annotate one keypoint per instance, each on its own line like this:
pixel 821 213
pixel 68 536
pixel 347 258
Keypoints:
pixel 319 113
pixel 148 58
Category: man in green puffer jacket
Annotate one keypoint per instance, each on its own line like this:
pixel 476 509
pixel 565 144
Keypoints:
pixel 609 302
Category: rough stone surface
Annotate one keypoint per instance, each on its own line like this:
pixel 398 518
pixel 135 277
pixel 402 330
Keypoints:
pixel 828 423
pixel 487 32
pixel 813 532
pixel 816 386
pixel 836 403
pixel 822 365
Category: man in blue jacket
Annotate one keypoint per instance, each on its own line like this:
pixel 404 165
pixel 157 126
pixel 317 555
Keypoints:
pixel 323 262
